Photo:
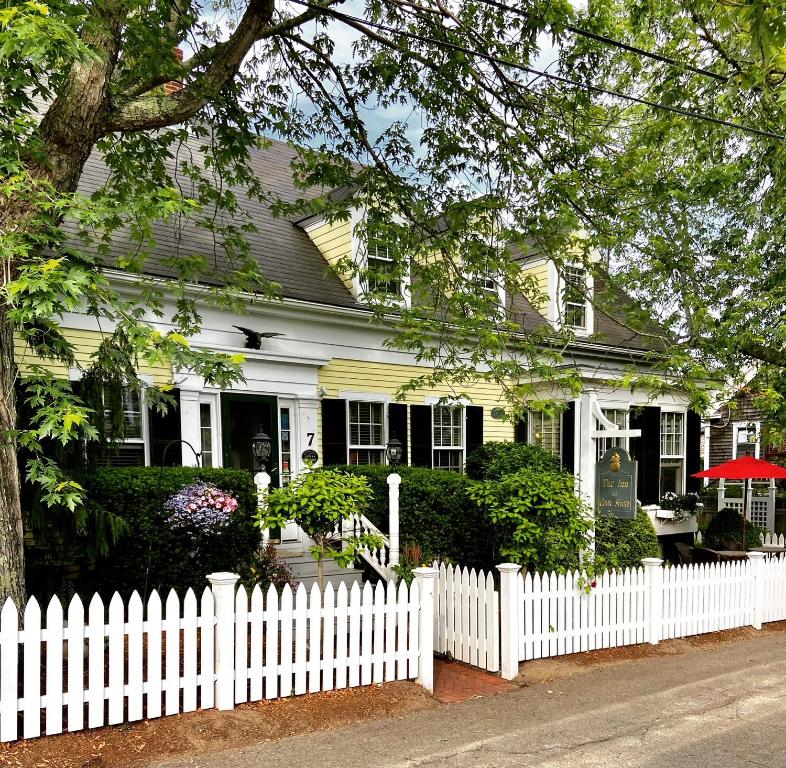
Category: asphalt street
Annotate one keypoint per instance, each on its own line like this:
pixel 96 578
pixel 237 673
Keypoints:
pixel 723 705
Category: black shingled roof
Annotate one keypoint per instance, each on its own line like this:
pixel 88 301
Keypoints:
pixel 287 256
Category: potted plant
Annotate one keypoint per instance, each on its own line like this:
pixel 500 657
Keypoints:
pixel 678 507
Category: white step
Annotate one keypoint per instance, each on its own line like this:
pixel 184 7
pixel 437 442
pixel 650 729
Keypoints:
pixel 304 569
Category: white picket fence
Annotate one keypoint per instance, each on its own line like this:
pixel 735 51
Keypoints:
pixel 467 616
pixel 563 613
pixel 769 539
pixel 128 663
pixel 543 615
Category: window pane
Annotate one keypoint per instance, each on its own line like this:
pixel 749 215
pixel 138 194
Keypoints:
pixel 364 456
pixel 366 424
pixel 546 431
pixel 448 426
pixel 206 434
pixel 671 434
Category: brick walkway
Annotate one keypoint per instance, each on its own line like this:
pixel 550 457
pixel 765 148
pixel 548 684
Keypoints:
pixel 455 682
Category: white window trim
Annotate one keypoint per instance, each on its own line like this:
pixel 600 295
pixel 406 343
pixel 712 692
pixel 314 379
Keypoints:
pixel 531 416
pixel 671 460
pixel 499 286
pixel 744 424
pixel 360 258
pixel 215 437
pixel 461 403
pixel 557 309
pixel 361 398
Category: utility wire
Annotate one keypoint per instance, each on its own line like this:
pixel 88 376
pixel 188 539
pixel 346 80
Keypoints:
pixel 355 20
pixel 616 43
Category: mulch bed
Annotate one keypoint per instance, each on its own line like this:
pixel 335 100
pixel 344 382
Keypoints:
pixel 199 733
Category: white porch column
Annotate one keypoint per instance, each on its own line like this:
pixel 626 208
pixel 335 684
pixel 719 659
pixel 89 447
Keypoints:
pixel 586 465
pixel 189 425
pixel 394 481
pixel 307 437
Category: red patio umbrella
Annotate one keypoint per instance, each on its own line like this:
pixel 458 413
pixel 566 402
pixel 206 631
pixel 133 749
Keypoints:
pixel 745 468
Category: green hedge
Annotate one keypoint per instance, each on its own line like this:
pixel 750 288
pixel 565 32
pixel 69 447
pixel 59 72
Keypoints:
pixel 491 461
pixel 623 543
pixel 436 513
pixel 149 554
pixel 724 531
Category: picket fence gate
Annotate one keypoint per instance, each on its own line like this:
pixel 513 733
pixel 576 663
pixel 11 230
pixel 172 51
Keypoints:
pixel 467 616
pixel 128 663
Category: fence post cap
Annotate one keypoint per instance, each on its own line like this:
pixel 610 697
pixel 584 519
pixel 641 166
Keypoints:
pixel 508 567
pixel 651 562
pixel 425 572
pixel 756 555
pixel 222 577
pixel 394 478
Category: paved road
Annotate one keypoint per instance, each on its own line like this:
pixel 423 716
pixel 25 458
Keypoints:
pixel 721 706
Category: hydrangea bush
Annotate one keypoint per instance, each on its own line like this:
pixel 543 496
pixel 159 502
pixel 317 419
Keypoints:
pixel 200 507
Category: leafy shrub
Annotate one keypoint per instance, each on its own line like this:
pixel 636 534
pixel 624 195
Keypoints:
pixel 492 461
pixel 319 501
pixel 623 543
pixel 152 554
pixel 436 513
pixel 724 531
pixel 265 567
pixel 539 519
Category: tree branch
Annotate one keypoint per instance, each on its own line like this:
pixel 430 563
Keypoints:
pixel 221 61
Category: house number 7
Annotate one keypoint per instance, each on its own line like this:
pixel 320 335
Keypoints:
pixel 310 436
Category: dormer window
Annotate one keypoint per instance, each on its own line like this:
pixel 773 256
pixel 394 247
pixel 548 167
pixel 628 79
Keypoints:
pixel 380 270
pixel 574 297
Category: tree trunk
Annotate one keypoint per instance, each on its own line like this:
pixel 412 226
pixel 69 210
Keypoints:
pixel 12 559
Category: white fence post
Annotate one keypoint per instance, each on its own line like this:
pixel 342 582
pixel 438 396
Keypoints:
pixel 394 481
pixel 223 586
pixel 509 599
pixel 262 481
pixel 653 596
pixel 425 579
pixel 757 576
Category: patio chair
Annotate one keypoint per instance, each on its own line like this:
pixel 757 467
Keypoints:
pixel 685 553
pixel 706 555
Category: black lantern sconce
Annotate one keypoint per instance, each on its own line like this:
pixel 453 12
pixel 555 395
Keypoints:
pixel 260 447
pixel 395 452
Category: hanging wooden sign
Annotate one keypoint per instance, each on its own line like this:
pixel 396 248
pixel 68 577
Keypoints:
pixel 615 485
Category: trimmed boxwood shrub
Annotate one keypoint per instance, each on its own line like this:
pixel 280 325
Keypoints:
pixel 491 461
pixel 724 531
pixel 436 513
pixel 149 554
pixel 623 543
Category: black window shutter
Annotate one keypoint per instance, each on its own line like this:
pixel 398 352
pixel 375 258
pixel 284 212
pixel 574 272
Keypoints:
pixel 397 426
pixel 520 431
pixel 334 432
pixel 420 427
pixel 692 451
pixel 646 451
pixel 568 437
pixel 474 423
pixel 163 429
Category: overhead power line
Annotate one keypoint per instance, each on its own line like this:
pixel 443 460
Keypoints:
pixel 356 20
pixel 617 43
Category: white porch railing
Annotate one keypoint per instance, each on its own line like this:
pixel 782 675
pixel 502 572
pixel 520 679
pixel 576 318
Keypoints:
pixel 379 558
pixel 761 505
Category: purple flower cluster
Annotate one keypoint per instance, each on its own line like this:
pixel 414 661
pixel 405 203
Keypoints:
pixel 200 507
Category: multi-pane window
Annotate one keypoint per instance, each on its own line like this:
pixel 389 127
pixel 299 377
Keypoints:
pixel 746 438
pixel 546 431
pixel 618 416
pixel 366 432
pixel 448 437
pixel 672 451
pixel 381 277
pixel 206 434
pixel 131 407
pixel 574 296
